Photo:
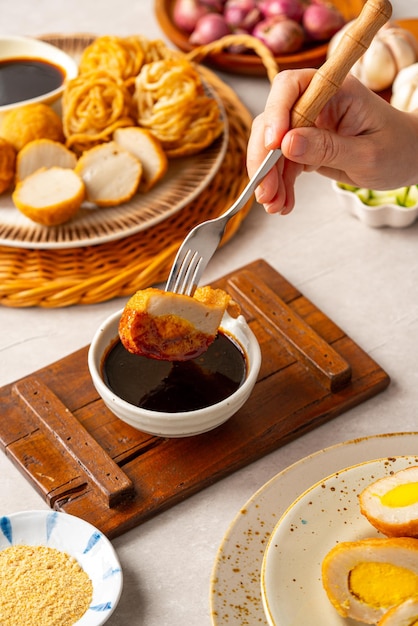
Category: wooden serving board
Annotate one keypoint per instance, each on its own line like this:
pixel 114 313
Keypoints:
pixel 85 461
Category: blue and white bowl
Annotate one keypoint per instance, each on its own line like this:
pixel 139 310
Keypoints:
pixel 70 534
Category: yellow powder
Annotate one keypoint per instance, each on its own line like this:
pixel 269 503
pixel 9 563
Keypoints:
pixel 42 586
pixel 401 495
pixel 382 584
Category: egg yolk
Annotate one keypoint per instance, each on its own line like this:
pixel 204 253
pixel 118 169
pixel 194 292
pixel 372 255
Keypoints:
pixel 401 495
pixel 382 584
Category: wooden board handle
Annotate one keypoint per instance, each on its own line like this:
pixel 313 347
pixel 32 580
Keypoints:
pixel 330 76
pixel 296 335
pixel 73 439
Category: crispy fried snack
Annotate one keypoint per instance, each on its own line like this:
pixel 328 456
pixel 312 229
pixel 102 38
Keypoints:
pixel 121 56
pixel 156 50
pixel 148 150
pixel 43 153
pixel 110 173
pixel 94 105
pixel 33 121
pixel 50 196
pixel 7 164
pixel 172 103
pixel 172 327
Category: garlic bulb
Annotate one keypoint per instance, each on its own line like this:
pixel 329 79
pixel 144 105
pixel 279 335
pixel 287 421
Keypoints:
pixel 392 49
pixel 405 89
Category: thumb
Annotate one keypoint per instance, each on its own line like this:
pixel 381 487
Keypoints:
pixel 314 147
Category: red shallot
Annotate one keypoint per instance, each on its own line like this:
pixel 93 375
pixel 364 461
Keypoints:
pixel 291 8
pixel 242 14
pixel 209 27
pixel 280 34
pixel 282 25
pixel 186 14
pixel 213 5
pixel 322 21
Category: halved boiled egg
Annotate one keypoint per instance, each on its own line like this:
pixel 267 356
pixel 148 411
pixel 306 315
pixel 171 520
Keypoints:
pixel 391 503
pixel 406 614
pixel 364 579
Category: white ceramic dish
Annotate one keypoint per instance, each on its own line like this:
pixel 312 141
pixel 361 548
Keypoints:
pixel 185 179
pixel 184 423
pixel 27 48
pixel 235 589
pixel 376 216
pixel 78 538
pixel 325 514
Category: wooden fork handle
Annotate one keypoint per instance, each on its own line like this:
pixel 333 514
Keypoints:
pixel 329 77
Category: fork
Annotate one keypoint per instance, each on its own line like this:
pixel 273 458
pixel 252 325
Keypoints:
pixel 200 244
pixel 202 241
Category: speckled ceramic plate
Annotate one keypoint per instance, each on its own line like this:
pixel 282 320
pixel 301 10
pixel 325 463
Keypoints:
pixel 321 517
pixel 236 578
pixel 185 179
pixel 79 539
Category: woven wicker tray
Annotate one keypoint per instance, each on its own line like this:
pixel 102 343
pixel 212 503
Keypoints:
pixel 92 274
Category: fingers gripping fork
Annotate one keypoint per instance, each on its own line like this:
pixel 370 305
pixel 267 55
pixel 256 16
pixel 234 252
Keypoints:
pixel 200 244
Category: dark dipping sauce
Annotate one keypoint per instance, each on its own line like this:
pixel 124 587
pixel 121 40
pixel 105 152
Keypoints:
pixel 23 79
pixel 176 386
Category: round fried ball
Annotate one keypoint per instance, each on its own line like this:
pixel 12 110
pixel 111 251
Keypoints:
pixel 7 164
pixel 34 121
pixel 366 578
pixel 391 503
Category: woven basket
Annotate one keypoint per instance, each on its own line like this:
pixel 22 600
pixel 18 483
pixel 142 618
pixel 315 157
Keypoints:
pixel 92 274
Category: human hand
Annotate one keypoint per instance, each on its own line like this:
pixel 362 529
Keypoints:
pixel 359 139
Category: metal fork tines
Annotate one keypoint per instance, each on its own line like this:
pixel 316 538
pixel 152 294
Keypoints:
pixel 201 243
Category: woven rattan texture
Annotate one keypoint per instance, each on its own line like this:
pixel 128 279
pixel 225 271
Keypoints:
pixel 87 275
pixel 247 41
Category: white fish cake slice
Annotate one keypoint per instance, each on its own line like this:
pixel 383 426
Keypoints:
pixel 148 150
pixel 50 196
pixel 173 327
pixel 110 173
pixel 43 153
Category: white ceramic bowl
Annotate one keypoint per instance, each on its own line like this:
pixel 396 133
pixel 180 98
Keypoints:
pixel 27 48
pixel 184 423
pixel 70 534
pixel 391 215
